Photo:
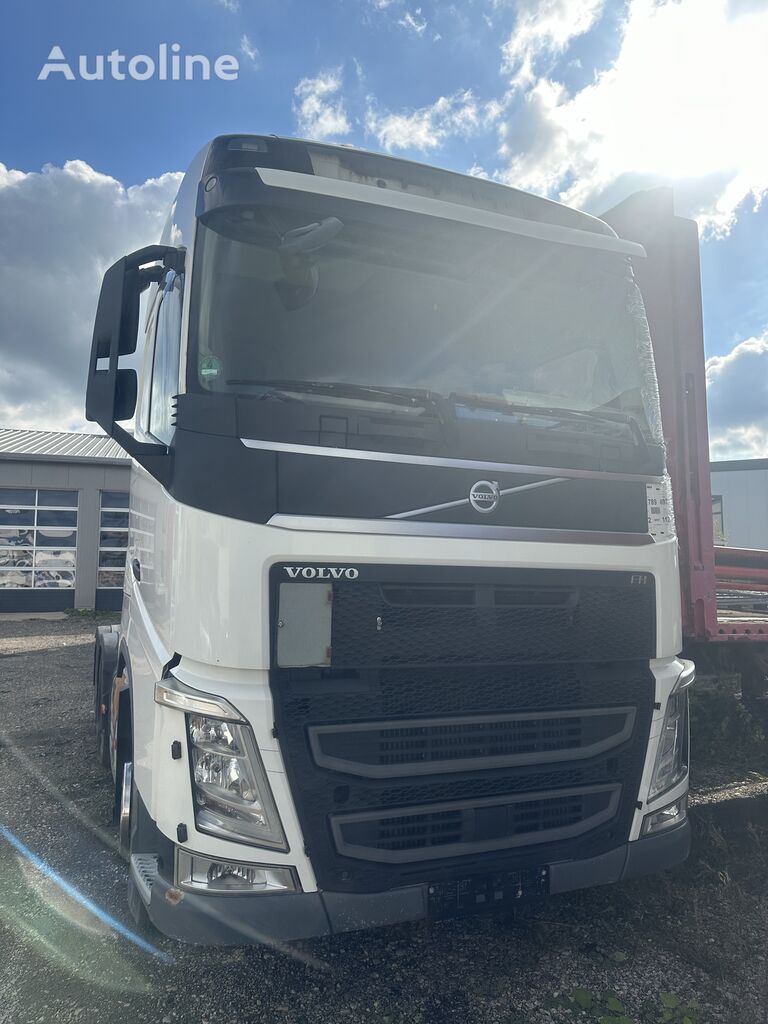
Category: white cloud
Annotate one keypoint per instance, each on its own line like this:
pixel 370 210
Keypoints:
pixel 62 228
pixel 249 51
pixel 682 104
pixel 737 398
pixel 428 127
pixel 413 21
pixel 545 28
pixel 319 110
pixel 233 6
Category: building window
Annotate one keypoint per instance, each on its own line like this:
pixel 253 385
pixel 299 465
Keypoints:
pixel 38 538
pixel 113 540
pixel 717 519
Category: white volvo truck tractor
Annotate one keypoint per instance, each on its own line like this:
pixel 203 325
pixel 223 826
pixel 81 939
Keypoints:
pixel 401 620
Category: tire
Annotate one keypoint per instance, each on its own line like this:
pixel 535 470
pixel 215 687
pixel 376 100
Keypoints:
pixel 100 720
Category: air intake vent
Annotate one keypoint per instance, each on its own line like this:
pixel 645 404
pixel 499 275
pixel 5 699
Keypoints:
pixel 428 746
pixel 473 826
pixel 414 624
pixel 469 597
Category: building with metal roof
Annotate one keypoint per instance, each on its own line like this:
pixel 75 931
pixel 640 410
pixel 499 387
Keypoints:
pixel 740 502
pixel 59 444
pixel 63 520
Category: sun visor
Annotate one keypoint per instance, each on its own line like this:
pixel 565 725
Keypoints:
pixel 247 186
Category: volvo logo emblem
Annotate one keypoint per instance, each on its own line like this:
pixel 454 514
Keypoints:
pixel 484 496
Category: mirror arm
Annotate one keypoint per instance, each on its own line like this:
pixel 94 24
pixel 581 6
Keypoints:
pixel 153 253
pixel 150 275
pixel 138 449
pixel 172 260
pixel 152 455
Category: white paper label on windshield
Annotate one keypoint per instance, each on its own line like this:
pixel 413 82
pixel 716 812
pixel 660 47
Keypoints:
pixel 661 514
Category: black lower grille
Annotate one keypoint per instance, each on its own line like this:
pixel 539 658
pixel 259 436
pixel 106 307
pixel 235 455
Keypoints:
pixel 474 826
pixel 436 769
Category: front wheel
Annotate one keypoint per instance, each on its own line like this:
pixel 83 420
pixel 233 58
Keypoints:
pixel 99 715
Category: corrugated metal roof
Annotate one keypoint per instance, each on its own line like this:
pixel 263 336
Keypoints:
pixel 59 445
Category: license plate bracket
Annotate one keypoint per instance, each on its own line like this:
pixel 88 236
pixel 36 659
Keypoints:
pixel 483 893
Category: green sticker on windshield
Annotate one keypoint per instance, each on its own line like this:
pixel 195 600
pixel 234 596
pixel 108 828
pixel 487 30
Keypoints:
pixel 210 366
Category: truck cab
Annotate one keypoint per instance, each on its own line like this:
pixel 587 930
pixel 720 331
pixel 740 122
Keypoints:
pixel 401 629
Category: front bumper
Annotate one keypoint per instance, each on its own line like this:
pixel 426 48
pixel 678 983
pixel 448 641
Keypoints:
pixel 241 920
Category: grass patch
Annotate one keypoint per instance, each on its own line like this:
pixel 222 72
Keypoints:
pixel 91 615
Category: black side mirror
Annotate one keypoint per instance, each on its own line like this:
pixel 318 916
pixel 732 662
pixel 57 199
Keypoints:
pixel 126 394
pixel 111 392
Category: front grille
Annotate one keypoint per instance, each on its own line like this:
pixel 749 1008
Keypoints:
pixel 470 721
pixel 380 625
pixel 473 826
pixel 428 746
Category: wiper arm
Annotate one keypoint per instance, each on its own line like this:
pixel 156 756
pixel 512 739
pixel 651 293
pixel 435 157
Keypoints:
pixel 553 412
pixel 413 397
pixel 405 396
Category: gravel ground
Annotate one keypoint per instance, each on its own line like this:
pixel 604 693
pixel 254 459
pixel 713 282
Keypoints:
pixel 699 932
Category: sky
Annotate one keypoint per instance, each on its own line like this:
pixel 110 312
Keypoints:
pixel 584 101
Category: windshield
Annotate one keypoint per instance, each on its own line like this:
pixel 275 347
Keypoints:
pixel 454 310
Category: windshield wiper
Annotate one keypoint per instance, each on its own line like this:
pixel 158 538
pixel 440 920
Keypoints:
pixel 552 412
pixel 405 396
pixel 413 397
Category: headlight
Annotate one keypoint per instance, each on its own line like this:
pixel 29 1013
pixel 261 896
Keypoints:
pixel 232 794
pixel 671 765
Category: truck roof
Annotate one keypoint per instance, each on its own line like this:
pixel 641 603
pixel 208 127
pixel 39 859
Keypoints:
pixel 366 167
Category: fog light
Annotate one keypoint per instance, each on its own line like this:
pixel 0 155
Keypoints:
pixel 238 873
pixel 669 816
pixel 222 876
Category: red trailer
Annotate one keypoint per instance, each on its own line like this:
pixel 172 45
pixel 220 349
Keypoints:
pixel 724 590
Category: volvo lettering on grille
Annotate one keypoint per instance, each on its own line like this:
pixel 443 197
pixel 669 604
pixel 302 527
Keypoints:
pixel 322 572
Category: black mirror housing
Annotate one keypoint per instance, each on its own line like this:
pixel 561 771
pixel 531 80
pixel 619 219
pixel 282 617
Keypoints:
pixel 111 391
pixel 126 394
